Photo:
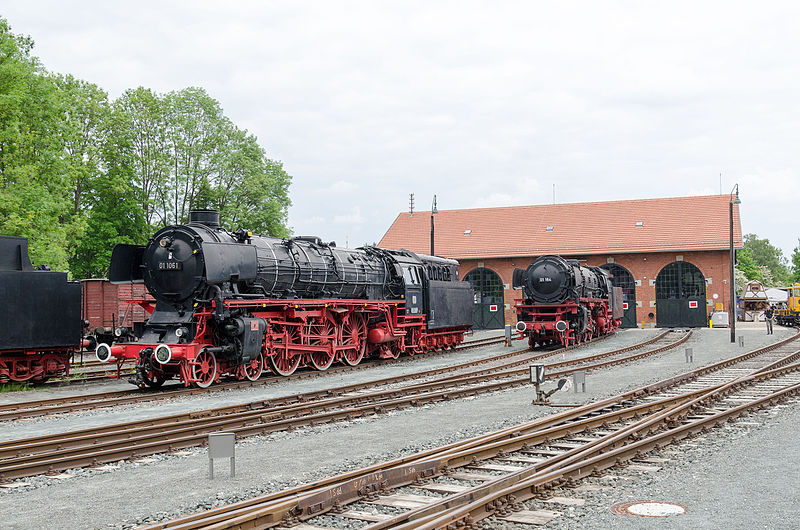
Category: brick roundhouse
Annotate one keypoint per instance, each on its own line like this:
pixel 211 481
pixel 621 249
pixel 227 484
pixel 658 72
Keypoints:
pixel 671 256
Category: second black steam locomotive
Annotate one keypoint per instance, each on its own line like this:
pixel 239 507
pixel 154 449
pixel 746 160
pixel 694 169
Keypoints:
pixel 233 302
pixel 565 302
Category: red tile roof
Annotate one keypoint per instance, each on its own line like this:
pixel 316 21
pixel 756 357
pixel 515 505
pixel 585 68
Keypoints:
pixel 677 223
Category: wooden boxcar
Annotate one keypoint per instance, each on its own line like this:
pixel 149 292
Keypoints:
pixel 108 307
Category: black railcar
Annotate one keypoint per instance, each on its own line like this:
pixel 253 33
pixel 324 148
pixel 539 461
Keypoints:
pixel 40 317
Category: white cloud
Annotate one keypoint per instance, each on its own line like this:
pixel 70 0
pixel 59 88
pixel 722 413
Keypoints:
pixel 354 217
pixel 340 187
pixel 477 103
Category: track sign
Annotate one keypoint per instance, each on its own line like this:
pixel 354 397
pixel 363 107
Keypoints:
pixel 692 304
pixel 625 305
pixel 493 308
pixel 537 373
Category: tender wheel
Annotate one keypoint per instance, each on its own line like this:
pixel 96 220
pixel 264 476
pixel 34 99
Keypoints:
pixel 282 363
pixel 204 371
pixel 324 334
pixel 252 370
pixel 354 335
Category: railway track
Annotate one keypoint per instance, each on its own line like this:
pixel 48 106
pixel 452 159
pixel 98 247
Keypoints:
pixel 489 476
pixel 93 371
pixel 30 409
pixel 90 371
pixel 112 443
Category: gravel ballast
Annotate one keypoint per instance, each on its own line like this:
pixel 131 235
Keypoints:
pixel 742 476
pixel 168 485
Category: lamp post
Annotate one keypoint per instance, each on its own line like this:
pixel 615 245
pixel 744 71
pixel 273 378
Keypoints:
pixel 433 211
pixel 734 200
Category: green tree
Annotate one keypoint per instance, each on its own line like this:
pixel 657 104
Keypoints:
pixel 115 216
pixel 84 127
pixel 767 255
pixel 196 130
pixel 79 174
pixel 192 156
pixel 33 180
pixel 796 263
pixel 138 148
pixel 741 281
pixel 747 265
pixel 253 190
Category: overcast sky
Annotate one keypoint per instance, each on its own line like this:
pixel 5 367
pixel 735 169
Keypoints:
pixel 480 103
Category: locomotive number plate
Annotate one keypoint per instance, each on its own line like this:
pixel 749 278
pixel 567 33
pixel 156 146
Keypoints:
pixel 170 265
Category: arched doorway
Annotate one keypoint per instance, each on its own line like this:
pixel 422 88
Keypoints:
pixel 681 296
pixel 622 277
pixel 488 311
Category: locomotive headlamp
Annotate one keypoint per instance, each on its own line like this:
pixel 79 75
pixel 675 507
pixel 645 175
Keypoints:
pixel 103 352
pixel 181 332
pixel 120 331
pixel 163 353
pixel 165 242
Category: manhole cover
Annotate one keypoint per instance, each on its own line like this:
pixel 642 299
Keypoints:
pixel 648 508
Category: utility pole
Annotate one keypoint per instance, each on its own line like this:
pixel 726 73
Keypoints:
pixel 734 200
pixel 433 211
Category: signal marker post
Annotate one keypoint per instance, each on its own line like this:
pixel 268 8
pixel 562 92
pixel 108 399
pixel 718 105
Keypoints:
pixel 221 445
pixel 537 378
pixel 579 380
pixel 542 397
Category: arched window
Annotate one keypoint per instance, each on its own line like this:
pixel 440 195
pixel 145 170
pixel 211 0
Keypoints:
pixel 680 279
pixel 622 277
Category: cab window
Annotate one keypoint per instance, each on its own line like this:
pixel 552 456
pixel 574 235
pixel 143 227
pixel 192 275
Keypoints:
pixel 412 275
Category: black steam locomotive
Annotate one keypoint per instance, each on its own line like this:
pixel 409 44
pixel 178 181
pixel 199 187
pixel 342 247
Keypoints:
pixel 40 317
pixel 227 302
pixel 565 302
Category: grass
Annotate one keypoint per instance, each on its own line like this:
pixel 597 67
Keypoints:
pixel 15 387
